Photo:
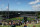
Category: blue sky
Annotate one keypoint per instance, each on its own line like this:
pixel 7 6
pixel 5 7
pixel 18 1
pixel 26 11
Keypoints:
pixel 20 5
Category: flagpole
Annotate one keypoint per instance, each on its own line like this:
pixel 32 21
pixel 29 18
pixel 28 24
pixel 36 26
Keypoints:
pixel 8 12
pixel 8 8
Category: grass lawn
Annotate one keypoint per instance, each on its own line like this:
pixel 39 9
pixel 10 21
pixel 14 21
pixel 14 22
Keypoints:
pixel 18 18
pixel 21 26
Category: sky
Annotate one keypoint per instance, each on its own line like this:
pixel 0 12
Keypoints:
pixel 20 5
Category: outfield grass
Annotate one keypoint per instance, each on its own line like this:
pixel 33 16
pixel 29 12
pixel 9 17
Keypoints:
pixel 21 26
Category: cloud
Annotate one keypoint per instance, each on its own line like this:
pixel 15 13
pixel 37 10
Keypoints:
pixel 7 7
pixel 0 9
pixel 34 2
pixel 2 5
pixel 18 3
pixel 36 7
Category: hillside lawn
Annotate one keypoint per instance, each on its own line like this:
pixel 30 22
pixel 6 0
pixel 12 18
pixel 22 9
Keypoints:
pixel 36 25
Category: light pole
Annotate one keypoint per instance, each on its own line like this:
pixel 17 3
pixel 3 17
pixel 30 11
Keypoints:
pixel 8 8
pixel 36 15
pixel 8 12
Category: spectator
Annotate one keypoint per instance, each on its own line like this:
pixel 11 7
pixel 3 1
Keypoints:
pixel 13 25
pixel 25 25
pixel 34 26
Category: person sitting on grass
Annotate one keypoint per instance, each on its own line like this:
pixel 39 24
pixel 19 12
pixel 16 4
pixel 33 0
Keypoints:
pixel 25 25
pixel 14 25
pixel 34 26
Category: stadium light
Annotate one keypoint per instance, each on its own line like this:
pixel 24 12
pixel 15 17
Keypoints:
pixel 18 13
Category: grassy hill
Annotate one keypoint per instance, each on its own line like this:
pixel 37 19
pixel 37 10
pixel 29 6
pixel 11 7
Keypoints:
pixel 31 25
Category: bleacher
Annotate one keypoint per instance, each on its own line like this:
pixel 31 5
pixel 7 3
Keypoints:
pixel 11 14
